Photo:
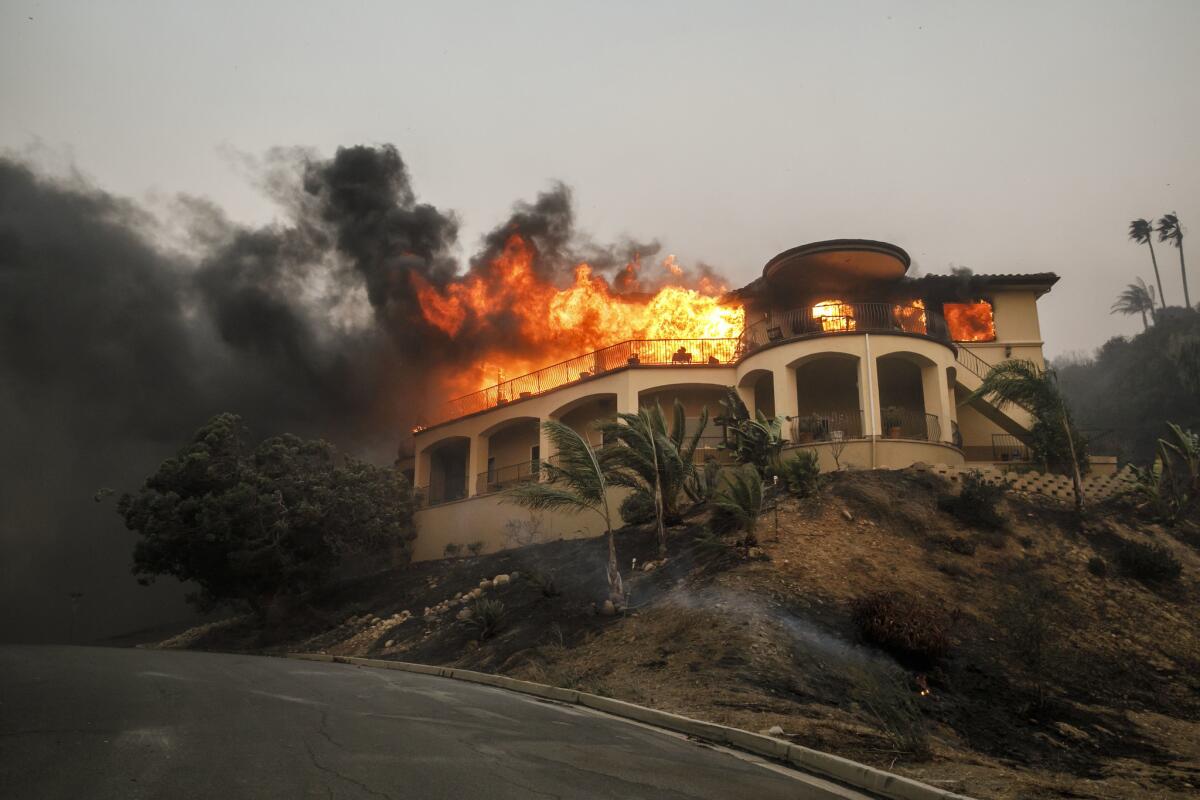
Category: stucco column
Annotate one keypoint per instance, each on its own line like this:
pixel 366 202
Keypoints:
pixel 934 387
pixel 421 466
pixel 545 448
pixel 476 463
pixel 627 395
pixel 868 383
pixel 787 399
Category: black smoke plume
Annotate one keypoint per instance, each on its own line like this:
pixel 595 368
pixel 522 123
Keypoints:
pixel 118 338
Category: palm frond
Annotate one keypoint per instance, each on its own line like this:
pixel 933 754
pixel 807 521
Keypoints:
pixel 578 465
pixel 1169 229
pixel 546 497
pixel 1140 230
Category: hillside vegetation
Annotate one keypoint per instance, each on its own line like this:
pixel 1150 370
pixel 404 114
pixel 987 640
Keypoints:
pixel 1024 655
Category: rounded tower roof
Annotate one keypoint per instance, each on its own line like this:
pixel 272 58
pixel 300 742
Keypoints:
pixel 837 261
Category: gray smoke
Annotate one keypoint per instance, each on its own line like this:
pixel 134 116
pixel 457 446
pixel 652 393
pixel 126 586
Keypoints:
pixel 114 347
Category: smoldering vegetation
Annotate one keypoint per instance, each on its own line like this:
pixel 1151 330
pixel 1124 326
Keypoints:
pixel 122 329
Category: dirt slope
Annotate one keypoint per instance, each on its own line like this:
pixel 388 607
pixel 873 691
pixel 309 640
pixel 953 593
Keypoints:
pixel 1057 681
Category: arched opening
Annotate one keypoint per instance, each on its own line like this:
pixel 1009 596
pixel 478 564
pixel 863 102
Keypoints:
pixel 757 389
pixel 583 413
pixel 827 399
pixel 695 399
pixel 902 406
pixel 513 455
pixel 448 460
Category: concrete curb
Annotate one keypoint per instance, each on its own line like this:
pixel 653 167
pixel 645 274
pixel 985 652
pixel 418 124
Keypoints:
pixel 851 773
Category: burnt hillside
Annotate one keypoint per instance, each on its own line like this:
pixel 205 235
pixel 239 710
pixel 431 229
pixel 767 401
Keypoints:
pixel 1040 658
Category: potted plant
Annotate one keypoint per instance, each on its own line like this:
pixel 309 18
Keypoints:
pixel 807 428
pixel 892 422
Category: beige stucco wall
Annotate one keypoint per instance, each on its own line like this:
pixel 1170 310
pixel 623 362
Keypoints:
pixel 694 399
pixel 483 519
pixel 512 445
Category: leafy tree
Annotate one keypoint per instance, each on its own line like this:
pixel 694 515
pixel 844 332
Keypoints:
pixel 1054 439
pixel 254 524
pixel 1125 391
pixel 1169 230
pixel 653 459
pixel 576 483
pixel 1141 231
pixel 756 441
pixel 1137 298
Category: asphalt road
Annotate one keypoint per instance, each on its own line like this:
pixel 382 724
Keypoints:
pixel 80 722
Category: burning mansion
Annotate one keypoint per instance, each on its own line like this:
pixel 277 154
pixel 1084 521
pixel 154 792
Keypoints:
pixel 856 357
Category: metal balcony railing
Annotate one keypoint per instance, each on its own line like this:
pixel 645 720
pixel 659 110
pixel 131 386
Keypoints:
pixel 826 426
pixel 500 478
pixel 635 352
pixel 434 494
pixel 903 423
pixel 834 318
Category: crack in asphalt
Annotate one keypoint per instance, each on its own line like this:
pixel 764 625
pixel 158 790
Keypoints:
pixel 312 758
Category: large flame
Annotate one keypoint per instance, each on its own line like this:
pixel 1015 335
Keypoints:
pixel 534 323
pixel 970 322
pixel 834 315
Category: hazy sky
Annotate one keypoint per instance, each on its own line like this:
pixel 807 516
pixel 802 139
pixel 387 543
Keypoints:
pixel 1006 137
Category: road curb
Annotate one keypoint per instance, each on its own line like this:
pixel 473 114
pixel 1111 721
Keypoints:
pixel 851 773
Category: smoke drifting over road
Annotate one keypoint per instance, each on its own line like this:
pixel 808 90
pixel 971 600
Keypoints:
pixel 118 339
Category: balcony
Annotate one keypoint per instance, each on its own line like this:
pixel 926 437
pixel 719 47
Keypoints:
pixel 830 318
pixel 633 353
pixel 497 479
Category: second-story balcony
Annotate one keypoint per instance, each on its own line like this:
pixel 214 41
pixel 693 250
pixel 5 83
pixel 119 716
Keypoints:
pixel 835 317
pixel 822 318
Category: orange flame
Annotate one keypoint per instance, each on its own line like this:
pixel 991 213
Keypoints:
pixel 970 322
pixel 834 315
pixel 510 303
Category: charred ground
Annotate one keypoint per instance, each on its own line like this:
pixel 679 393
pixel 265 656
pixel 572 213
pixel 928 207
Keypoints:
pixel 1064 671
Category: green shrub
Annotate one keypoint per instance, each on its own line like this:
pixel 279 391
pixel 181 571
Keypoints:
pixel 1147 563
pixel 451 550
pixel 637 508
pixel 1097 566
pixel 802 473
pixel 475 548
pixel 486 616
pixel 738 502
pixel 976 502
pixel 914 632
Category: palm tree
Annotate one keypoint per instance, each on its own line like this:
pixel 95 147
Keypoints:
pixel 576 483
pixel 740 499
pixel 1025 384
pixel 649 457
pixel 1140 231
pixel 1169 230
pixel 1137 298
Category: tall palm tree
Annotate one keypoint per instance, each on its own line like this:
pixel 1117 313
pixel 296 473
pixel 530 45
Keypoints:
pixel 1023 383
pixel 649 456
pixel 1137 298
pixel 1140 231
pixel 1169 230
pixel 576 483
